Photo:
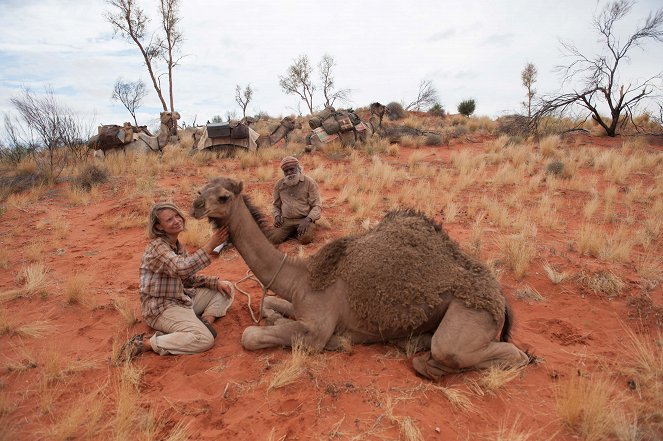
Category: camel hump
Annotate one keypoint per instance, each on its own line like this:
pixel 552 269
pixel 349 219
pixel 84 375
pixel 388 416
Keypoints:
pixel 324 264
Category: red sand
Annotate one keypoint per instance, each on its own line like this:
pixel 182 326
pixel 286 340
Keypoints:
pixel 223 393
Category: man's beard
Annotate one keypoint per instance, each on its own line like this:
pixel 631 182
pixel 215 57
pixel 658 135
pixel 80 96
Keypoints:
pixel 292 180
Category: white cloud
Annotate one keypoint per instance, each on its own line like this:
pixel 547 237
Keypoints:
pixel 383 49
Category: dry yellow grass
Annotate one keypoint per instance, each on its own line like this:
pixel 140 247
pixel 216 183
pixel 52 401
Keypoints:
pixel 590 208
pixel 585 404
pixel 124 221
pixel 556 277
pixel 408 428
pixel 418 196
pixel 77 290
pixel 34 252
pixel 617 246
pixel 603 282
pixel 590 240
pixel 26 200
pixel 455 396
pixel 549 146
pixel 79 196
pixel 35 329
pixel 518 252
pixel 415 159
pixel 513 431
pixel 126 310
pixel 492 380
pixel 34 281
pixel 197 232
pixel 650 269
pixel 290 370
pixel 127 405
pixel 84 417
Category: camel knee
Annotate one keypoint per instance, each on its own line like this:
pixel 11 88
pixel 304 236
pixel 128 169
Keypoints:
pixel 449 357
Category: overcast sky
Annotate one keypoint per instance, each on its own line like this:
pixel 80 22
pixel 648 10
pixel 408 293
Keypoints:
pixel 383 50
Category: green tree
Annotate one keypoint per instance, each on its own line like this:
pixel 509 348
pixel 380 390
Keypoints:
pixel 466 107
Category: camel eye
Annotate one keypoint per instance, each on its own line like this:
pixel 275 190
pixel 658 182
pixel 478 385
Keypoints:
pixel 223 199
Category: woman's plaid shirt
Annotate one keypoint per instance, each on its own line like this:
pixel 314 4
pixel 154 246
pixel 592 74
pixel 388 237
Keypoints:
pixel 168 277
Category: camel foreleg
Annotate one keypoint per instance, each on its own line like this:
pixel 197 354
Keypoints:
pixel 275 308
pixel 282 334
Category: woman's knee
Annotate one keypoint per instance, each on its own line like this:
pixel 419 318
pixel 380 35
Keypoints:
pixel 202 341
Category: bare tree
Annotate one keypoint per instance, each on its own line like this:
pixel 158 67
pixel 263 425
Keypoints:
pixel 326 66
pixel 600 75
pixel 47 124
pixel 129 20
pixel 426 97
pixel 173 39
pixel 528 78
pixel 243 98
pixel 130 94
pixel 297 81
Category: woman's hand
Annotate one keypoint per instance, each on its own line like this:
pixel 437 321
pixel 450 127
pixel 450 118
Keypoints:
pixel 225 288
pixel 217 238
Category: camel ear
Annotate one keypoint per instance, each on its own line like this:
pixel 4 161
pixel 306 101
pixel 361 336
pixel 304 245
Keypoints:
pixel 237 187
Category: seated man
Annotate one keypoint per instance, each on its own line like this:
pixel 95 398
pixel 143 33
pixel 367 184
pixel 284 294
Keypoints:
pixel 296 204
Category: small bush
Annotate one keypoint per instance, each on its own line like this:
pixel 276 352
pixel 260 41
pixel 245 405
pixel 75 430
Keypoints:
pixel 513 125
pixel 433 139
pixel 555 167
pixel 437 110
pixel 17 184
pixel 15 154
pixel 466 107
pixel 91 176
pixel 395 111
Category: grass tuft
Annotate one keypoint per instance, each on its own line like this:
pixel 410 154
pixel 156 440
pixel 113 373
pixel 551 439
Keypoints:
pixel 289 371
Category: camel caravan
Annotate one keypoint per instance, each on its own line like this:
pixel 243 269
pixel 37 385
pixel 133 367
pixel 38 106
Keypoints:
pixel 330 124
pixel 130 138
pixel 404 280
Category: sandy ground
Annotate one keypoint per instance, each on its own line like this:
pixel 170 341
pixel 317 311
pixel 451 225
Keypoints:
pixel 370 393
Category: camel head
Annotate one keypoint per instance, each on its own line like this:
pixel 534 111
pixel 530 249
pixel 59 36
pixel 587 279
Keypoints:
pixel 291 123
pixel 216 199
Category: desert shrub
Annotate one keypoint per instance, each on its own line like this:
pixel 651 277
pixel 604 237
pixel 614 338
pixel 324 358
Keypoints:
pixel 91 176
pixel 14 155
pixel 437 110
pixel 555 167
pixel 395 111
pixel 466 107
pixel 21 182
pixel 459 131
pixel 433 139
pixel 513 125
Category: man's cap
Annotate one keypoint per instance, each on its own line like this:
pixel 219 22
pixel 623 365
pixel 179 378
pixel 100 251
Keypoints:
pixel 288 161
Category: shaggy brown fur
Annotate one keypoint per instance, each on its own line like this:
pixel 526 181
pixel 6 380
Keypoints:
pixel 399 271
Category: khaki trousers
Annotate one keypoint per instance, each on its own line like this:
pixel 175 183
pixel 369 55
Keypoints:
pixel 180 331
pixel 289 229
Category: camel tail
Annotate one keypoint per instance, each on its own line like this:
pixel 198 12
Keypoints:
pixel 508 322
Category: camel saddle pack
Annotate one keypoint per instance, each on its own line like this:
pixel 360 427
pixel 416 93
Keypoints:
pixel 334 121
pixel 113 136
pixel 231 129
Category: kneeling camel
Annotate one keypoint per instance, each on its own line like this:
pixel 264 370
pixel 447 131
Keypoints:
pixel 404 278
